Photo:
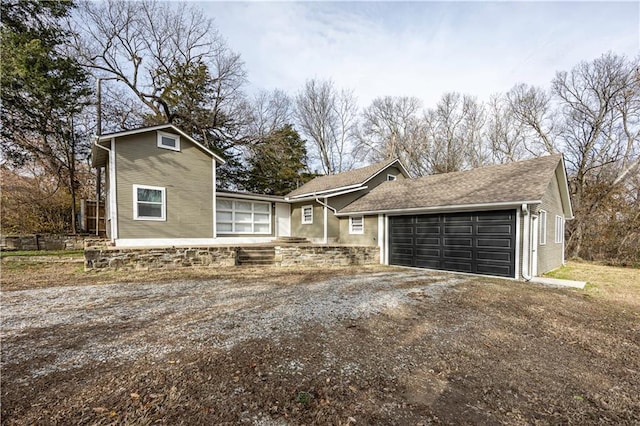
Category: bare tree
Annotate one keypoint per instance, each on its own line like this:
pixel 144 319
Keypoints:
pixel 533 108
pixel 600 101
pixel 327 116
pixel 270 111
pixel 151 46
pixel 505 134
pixel 391 128
pixel 455 130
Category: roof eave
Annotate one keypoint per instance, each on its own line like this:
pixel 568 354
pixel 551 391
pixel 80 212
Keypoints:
pixel 160 127
pixel 441 209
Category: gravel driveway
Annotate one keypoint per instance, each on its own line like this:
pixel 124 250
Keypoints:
pixel 62 328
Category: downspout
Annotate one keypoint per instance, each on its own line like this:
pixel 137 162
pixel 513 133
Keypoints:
pixel 326 218
pixel 112 207
pixel 526 249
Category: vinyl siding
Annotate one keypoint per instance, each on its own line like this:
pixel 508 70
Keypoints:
pixel 550 254
pixel 313 231
pixel 368 238
pixel 187 177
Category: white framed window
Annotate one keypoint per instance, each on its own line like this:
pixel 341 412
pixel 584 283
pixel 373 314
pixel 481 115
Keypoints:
pixel 149 202
pixel 168 141
pixel 356 224
pixel 391 177
pixel 307 215
pixel 542 238
pixel 242 217
pixel 559 229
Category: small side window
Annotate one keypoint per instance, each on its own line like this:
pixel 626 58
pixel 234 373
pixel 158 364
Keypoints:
pixel 559 229
pixel 391 177
pixel 168 141
pixel 543 228
pixel 307 215
pixel 356 225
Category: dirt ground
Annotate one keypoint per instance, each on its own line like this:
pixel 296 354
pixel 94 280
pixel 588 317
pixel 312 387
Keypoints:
pixel 340 346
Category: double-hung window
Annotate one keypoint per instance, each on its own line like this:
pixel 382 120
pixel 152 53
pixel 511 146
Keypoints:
pixel 149 203
pixel 307 215
pixel 559 229
pixel 243 217
pixel 168 141
pixel 356 225
pixel 543 228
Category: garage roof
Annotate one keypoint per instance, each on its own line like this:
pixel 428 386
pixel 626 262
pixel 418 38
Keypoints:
pixel 512 183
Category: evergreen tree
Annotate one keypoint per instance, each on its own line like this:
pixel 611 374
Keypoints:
pixel 278 163
pixel 42 89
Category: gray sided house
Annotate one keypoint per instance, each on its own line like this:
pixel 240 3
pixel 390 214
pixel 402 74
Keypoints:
pixel 504 220
pixel 161 191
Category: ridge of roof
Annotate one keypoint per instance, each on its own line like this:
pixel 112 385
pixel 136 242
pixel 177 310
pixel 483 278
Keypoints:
pixel 513 182
pixel 341 180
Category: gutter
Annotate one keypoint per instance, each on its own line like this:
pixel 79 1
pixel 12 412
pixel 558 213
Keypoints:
pixel 442 209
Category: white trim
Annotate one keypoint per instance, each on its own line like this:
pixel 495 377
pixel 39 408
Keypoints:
pixel 526 248
pixel 535 231
pixel 113 200
pixel 163 203
pixel 565 191
pixel 391 178
pixel 160 127
pixel 346 190
pixel 213 193
pixel 234 211
pixel 302 216
pixel 190 242
pixel 351 231
pixel 381 238
pixel 386 239
pixel 257 197
pixel 403 170
pixel 442 209
pixel 325 218
pixel 542 236
pixel 559 235
pixel 173 136
pixel 518 243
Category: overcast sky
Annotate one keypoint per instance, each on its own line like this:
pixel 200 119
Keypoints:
pixel 421 49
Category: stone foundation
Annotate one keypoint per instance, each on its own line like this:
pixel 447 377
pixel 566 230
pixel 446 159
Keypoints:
pixel 43 242
pixel 158 258
pixel 104 258
pixel 326 255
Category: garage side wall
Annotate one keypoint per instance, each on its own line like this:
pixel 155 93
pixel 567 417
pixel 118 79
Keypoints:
pixel 550 254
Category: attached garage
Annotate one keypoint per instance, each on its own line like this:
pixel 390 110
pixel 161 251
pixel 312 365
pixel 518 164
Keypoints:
pixel 477 242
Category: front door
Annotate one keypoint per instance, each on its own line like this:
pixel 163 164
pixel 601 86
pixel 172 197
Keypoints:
pixel 283 220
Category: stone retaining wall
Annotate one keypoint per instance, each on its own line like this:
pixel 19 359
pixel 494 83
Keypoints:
pixel 326 255
pixel 103 258
pixel 43 242
pixel 158 258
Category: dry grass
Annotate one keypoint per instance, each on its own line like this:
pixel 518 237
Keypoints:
pixel 24 275
pixel 483 351
pixel 606 282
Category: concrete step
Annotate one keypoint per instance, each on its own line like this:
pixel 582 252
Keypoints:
pixel 291 240
pixel 255 256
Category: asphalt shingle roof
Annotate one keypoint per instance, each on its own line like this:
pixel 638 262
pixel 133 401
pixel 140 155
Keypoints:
pixel 513 182
pixel 340 180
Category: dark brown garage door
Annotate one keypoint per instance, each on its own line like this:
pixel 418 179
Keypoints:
pixel 478 242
